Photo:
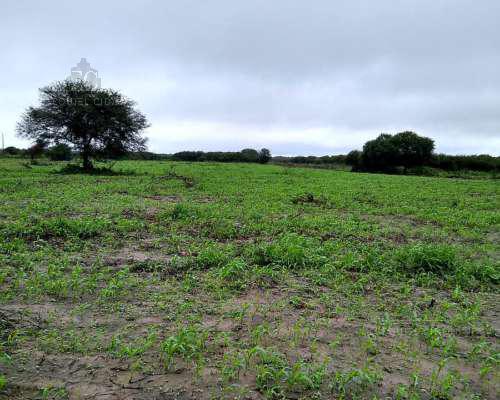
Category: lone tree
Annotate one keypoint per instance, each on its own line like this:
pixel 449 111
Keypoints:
pixel 249 155
pixel 96 122
pixel 264 156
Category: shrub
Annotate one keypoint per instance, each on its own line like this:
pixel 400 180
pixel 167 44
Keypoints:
pixel 60 152
pixel 425 171
pixel 249 155
pixel 12 151
pixel 37 150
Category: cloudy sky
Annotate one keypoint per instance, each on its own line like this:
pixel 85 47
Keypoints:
pixel 296 76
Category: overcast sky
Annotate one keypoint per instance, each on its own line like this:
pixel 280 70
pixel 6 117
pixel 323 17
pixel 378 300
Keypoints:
pixel 299 77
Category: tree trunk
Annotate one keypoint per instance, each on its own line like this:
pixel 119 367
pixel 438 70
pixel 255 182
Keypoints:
pixel 87 164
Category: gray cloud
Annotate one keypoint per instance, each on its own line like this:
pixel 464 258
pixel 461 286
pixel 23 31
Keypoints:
pixel 298 77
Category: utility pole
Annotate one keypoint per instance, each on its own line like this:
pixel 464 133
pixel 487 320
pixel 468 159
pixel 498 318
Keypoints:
pixel 3 143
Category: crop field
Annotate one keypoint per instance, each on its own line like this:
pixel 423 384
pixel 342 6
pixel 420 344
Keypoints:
pixel 185 281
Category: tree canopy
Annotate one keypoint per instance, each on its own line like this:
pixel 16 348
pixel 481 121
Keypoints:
pixel 405 149
pixel 95 122
pixel 264 156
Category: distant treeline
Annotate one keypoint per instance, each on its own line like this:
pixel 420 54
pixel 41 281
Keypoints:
pixel 62 152
pixel 246 155
pixel 326 160
pixel 482 162
pixel 403 152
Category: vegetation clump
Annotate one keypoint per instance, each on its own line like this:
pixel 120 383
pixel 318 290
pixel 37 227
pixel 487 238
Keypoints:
pixel 438 259
pixel 60 152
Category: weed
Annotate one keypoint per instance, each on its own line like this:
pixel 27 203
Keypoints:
pixel 181 211
pixel 442 382
pixel 435 258
pixel 53 393
pixel 234 269
pixel 275 376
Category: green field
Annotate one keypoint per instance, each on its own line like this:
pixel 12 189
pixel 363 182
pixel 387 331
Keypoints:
pixel 239 281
